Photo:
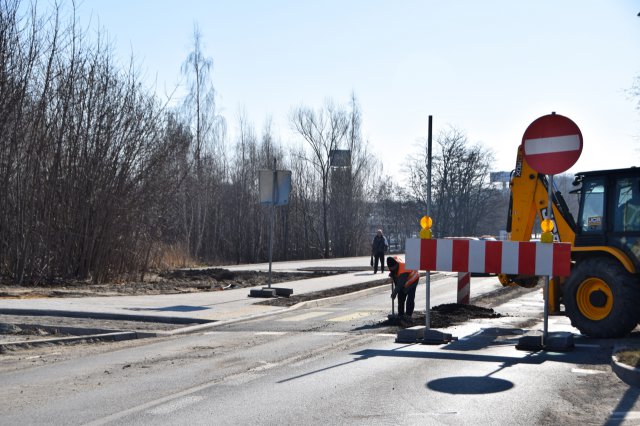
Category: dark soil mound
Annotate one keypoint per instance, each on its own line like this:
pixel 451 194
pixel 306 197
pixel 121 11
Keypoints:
pixel 443 316
pixel 172 282
pixel 235 279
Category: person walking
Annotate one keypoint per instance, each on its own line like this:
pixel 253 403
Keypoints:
pixel 379 247
pixel 405 282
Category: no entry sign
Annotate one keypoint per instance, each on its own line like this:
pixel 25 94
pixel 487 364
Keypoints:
pixel 552 144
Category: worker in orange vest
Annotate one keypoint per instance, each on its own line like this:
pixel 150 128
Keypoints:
pixel 405 282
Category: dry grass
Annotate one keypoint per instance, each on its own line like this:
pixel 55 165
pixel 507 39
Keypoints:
pixel 167 257
pixel 629 357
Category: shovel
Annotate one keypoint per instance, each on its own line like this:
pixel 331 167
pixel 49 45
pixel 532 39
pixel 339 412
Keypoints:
pixel 393 315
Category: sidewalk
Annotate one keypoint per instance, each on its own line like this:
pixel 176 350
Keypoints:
pixel 201 307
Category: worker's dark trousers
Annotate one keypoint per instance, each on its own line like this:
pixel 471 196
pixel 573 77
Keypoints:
pixel 378 257
pixel 408 294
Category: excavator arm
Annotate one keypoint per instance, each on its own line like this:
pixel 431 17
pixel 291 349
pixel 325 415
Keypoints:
pixel 528 201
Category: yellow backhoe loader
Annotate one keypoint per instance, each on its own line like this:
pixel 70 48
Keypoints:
pixel 602 294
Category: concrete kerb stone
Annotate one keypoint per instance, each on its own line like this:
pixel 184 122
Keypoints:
pixel 121 335
pixel 127 335
pixel 102 316
pixel 111 335
pixel 626 373
pixel 114 337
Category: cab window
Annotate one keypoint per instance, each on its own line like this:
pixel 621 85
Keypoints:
pixel 592 206
pixel 627 205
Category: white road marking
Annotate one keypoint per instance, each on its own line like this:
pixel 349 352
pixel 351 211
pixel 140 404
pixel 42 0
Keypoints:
pixel 175 405
pixel 350 317
pixel 264 365
pixel 303 317
pixel 326 333
pixel 584 371
pixel 622 415
pixel 271 333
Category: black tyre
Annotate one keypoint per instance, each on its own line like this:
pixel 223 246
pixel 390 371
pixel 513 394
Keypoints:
pixel 601 298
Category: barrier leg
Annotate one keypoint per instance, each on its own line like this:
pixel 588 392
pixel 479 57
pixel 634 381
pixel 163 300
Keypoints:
pixel 464 287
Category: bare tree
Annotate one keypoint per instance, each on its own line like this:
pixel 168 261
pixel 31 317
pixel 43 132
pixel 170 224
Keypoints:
pixel 397 213
pixel 351 186
pixel 462 195
pixel 324 131
pixel 201 187
pixel 304 209
pixel 82 155
pixel 99 181
pixel 634 92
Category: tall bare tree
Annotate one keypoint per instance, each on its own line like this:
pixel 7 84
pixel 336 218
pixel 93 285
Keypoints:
pixel 351 186
pixel 323 131
pixel 461 192
pixel 208 128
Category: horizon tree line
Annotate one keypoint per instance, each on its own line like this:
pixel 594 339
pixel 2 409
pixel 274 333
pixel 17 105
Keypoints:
pixel 102 181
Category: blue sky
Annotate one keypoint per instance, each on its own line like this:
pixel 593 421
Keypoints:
pixel 489 68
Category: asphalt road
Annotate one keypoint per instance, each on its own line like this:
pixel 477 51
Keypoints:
pixel 328 365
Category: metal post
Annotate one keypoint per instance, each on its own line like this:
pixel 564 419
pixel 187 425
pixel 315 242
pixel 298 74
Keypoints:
pixel 273 217
pixel 427 313
pixel 546 279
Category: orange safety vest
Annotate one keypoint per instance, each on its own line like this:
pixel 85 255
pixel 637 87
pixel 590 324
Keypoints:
pixel 413 277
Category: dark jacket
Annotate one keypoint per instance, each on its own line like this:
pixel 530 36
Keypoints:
pixel 379 245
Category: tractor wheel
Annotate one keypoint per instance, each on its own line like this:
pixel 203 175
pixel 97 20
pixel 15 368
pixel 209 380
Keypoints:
pixel 601 298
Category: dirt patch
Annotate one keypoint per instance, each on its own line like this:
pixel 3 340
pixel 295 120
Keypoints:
pixel 172 282
pixel 8 332
pixel 441 316
pixel 630 357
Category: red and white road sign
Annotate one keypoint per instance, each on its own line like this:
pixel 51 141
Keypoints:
pixel 552 144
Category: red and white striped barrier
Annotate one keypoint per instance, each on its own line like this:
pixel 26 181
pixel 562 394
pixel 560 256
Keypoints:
pixel 464 287
pixel 491 257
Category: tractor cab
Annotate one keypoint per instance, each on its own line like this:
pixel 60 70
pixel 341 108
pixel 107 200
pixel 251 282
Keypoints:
pixel 609 214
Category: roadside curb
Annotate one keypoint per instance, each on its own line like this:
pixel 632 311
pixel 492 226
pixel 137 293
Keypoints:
pixel 113 337
pixel 626 373
pixel 128 335
pixel 119 336
pixel 103 316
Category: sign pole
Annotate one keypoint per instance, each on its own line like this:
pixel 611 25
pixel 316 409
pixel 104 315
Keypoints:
pixel 427 313
pixel 273 210
pixel 549 216
pixel 551 145
pixel 275 187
